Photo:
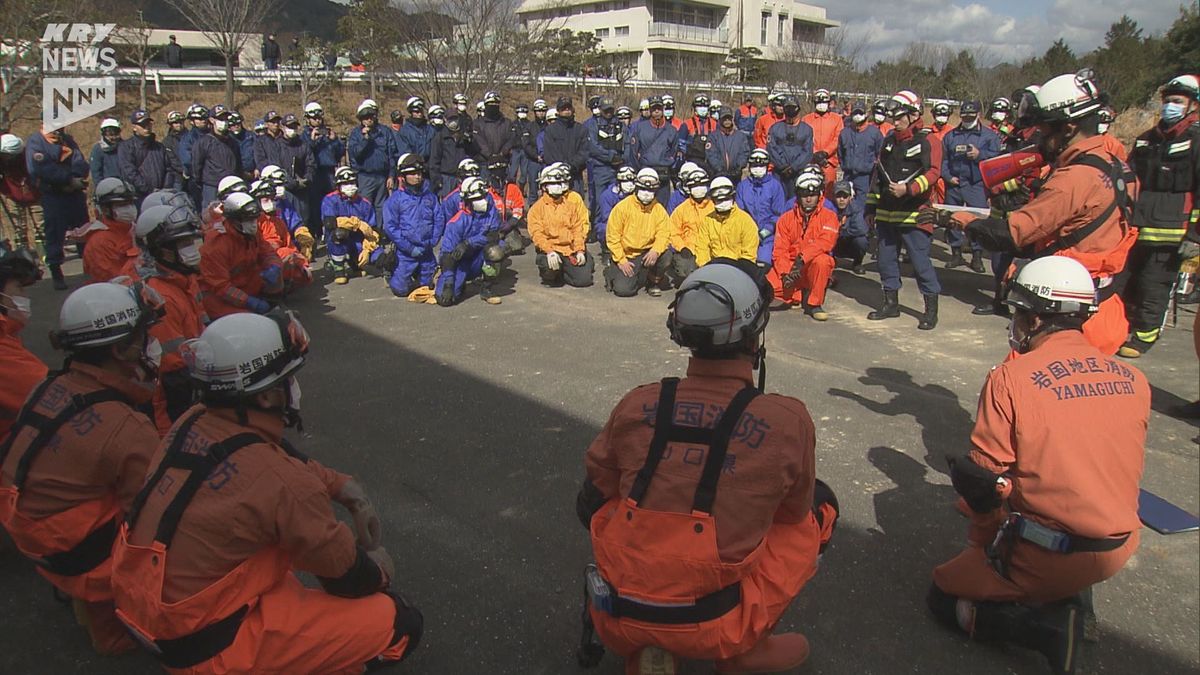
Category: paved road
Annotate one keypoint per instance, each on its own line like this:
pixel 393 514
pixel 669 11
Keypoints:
pixel 467 426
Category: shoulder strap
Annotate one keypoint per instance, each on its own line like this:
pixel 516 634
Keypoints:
pixel 198 472
pixel 706 491
pixel 47 427
pixel 1116 175
pixel 24 415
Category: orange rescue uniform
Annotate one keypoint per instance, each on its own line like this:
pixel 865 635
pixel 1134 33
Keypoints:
pixel 273 230
pixel 760 530
pixel 1067 426
pixel 559 226
pixel 826 129
pixel 258 515
pixel 106 249
pixel 81 481
pixel 763 127
pixel 936 136
pixel 811 238
pixel 231 265
pixel 22 372
pixel 1072 197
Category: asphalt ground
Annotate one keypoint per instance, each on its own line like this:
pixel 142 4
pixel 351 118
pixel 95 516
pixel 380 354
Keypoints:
pixel 468 425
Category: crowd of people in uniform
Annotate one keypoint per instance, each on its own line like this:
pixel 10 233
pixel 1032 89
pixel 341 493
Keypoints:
pixel 179 361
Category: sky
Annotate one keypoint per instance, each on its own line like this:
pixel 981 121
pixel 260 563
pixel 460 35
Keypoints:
pixel 1000 30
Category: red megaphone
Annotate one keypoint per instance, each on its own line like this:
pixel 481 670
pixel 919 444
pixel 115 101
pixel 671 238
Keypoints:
pixel 999 170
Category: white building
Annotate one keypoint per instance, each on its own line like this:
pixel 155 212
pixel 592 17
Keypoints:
pixel 673 40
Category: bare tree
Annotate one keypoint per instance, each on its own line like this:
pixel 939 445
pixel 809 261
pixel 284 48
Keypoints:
pixel 373 30
pixel 309 67
pixel 22 23
pixel 228 25
pixel 134 36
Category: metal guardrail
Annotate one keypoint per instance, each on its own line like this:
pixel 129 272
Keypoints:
pixel 685 33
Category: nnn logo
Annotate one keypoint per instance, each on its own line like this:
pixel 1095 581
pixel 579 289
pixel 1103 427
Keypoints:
pixel 76 61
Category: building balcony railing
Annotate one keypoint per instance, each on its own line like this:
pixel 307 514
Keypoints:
pixel 685 33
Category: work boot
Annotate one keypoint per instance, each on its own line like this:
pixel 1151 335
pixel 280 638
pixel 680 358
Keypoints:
pixel 977 262
pixel 772 654
pixel 956 259
pixel 489 296
pixel 60 281
pixel 1134 348
pixel 930 317
pixel 1059 636
pixel 890 309
pixel 858 267
pixel 651 661
pixel 996 307
pixel 818 313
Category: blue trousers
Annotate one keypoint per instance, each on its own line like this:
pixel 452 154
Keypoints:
pixel 470 267
pixel 61 212
pixel 918 243
pixel 373 186
pixel 401 281
pixel 530 185
pixel 344 256
pixel 964 195
pixel 600 178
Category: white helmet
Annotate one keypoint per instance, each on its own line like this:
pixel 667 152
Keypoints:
pixel 551 174
pixel 647 179
pixel 721 188
pixel 313 109
pixel 1068 97
pixel 272 172
pixel 719 306
pixel 811 182
pixel 367 107
pixel 11 144
pixel 473 188
pixel 244 354
pixel 1184 85
pixel 907 101
pixel 229 185
pixel 551 114
pixel 243 210
pixel 468 167
pixel 1054 284
pixel 110 123
pixel 686 170
pixel 105 313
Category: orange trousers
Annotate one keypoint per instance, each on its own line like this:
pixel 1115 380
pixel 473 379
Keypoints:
pixel 1036 576
pixel 294 629
pixel 815 280
pixel 1108 328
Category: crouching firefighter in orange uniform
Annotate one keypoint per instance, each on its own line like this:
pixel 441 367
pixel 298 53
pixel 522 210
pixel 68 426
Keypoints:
pixel 79 448
pixel 1051 481
pixel 203 566
pixel 706 516
pixel 1083 209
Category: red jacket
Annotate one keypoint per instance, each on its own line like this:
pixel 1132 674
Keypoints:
pixel 22 372
pixel 804 236
pixel 826 129
pixel 107 249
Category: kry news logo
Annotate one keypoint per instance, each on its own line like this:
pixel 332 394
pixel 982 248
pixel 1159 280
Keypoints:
pixel 74 63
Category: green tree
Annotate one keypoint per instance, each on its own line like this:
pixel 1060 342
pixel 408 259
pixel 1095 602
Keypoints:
pixel 1181 45
pixel 1059 58
pixel 747 63
pixel 372 29
pixel 960 77
pixel 1125 65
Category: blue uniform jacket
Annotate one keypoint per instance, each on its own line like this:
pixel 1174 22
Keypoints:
pixel 727 153
pixel 334 205
pixel 652 147
pixel 327 148
pixel 186 141
pixel 414 220
pixel 608 199
pixel 51 173
pixel 955 163
pixel 473 228
pixel 416 137
pixel 374 152
pixel 790 145
pixel 858 150
pixel 763 199
pixel 104 161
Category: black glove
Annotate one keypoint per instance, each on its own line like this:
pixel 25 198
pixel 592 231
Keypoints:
pixel 459 252
pixel 933 217
pixel 493 237
pixel 1008 202
pixel 992 234
pixel 340 235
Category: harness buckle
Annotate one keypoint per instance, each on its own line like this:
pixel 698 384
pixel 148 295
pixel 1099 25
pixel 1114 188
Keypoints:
pixel 598 589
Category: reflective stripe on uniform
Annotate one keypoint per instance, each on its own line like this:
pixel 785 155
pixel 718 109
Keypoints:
pixel 922 183
pixel 896 217
pixel 1146 335
pixel 1161 234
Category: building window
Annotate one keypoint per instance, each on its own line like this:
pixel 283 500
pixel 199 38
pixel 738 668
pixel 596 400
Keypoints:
pixel 621 31
pixel 766 21
pixel 601 32
pixel 779 36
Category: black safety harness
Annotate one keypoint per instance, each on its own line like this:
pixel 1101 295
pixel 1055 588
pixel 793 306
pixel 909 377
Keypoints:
pixel 601 594
pixel 204 644
pixel 96 547
pixel 1120 179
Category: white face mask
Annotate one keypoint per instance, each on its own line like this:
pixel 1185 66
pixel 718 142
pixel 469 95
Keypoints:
pixel 941 119
pixel 723 206
pixel 1102 128
pixel 998 116
pixel 22 307
pixel 189 254
pixel 437 121
pixel 758 171
pixel 280 191
pixel 625 187
pixel 668 113
pixel 267 204
pixel 645 196
pixel 126 213
pixel 291 409
pixel 969 122
pixel 289 132
pixel 153 353
pixel 858 118
pixel 822 107
pixel 348 190
pixel 879 118
pixel 522 116
pixel 462 107
pixel 702 111
pixel 698 192
pixel 479 205
pixel 556 189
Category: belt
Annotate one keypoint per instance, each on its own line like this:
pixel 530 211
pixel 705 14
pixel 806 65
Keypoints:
pixel 198 647
pixel 85 556
pixel 1062 542
pixel 712 606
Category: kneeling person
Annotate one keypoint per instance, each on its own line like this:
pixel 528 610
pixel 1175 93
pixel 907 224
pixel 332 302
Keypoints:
pixel 414 221
pixel 204 567
pixel 471 246
pixel 714 520
pixel 727 232
pixel 273 230
pixel 238 271
pixel 638 235
pixel 348 219
pixel 804 239
pixel 78 450
pixel 1046 521
pixel 558 224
